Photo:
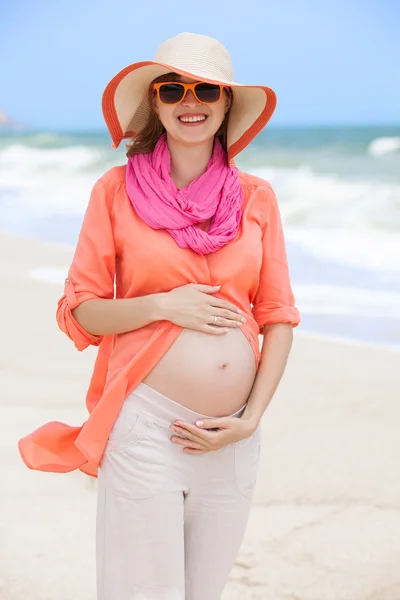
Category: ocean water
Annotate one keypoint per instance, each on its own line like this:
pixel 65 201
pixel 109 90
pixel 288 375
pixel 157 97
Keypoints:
pixel 338 189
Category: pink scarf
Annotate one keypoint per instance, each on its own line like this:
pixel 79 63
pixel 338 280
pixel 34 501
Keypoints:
pixel 216 193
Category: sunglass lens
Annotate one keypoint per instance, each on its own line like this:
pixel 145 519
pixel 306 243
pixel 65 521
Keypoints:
pixel 207 92
pixel 171 93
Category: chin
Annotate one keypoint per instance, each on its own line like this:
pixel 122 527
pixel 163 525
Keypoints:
pixel 192 137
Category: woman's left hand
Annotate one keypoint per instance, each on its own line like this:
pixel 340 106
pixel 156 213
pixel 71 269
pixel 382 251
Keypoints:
pixel 213 434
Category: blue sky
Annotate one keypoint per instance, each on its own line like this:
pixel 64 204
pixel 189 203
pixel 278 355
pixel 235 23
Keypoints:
pixel 330 62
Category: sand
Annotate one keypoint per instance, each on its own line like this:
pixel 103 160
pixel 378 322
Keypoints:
pixel 325 522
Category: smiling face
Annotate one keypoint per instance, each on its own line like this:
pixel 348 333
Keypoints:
pixel 190 121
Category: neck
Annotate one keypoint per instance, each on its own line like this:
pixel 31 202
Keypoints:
pixel 188 162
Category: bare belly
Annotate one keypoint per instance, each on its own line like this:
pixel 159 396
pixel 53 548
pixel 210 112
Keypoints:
pixel 209 374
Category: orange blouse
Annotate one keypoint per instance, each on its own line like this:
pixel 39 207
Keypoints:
pixel 119 256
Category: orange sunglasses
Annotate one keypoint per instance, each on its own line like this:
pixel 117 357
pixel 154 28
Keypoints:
pixel 172 92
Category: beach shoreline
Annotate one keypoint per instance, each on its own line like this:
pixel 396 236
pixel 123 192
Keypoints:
pixel 325 520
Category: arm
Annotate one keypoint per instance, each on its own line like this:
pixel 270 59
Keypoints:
pixel 91 274
pixel 87 311
pixel 275 312
pixel 274 301
pixel 105 317
pixel 275 351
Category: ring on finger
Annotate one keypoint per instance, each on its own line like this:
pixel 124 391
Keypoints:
pixel 216 319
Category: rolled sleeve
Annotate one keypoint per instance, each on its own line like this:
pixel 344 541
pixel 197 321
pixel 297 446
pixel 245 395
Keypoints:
pixel 274 301
pixel 69 325
pixel 92 271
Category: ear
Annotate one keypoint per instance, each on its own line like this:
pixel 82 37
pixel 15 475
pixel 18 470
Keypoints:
pixel 228 103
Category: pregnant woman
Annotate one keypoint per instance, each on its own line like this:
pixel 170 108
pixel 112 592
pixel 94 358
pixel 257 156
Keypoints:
pixel 179 266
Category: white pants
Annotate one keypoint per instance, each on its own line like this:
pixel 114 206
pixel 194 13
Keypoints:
pixel 169 524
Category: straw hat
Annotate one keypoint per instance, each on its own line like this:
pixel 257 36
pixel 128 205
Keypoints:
pixel 126 108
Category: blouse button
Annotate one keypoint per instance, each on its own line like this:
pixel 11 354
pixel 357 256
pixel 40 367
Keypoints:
pixel 67 281
pixel 251 338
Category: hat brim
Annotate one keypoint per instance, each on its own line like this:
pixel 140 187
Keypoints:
pixel 126 107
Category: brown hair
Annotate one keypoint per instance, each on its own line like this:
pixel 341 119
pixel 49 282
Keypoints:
pixel 146 140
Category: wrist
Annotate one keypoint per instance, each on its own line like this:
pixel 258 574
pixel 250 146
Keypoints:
pixel 159 306
pixel 252 421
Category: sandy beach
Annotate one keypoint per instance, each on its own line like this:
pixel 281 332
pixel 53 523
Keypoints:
pixel 325 522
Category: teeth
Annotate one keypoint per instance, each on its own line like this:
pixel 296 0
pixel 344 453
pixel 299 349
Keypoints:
pixel 192 119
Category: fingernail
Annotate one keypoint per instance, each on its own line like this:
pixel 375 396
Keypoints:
pixel 243 320
pixel 199 423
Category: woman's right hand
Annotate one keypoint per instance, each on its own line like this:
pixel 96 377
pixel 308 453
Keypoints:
pixel 194 307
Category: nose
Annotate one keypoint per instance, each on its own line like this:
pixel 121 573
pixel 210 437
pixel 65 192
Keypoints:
pixel 189 99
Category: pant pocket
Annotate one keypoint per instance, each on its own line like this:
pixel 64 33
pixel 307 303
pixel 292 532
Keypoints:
pixel 129 427
pixel 139 466
pixel 247 462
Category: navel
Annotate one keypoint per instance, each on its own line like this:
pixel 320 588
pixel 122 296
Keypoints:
pixel 223 365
